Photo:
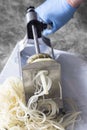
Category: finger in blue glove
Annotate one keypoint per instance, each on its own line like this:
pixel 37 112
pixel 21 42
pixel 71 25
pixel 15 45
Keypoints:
pixel 56 13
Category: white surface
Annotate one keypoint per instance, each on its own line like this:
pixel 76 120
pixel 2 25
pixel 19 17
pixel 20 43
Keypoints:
pixel 12 67
pixel 74 76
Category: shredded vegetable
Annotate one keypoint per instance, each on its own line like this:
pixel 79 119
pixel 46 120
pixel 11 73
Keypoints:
pixel 15 115
pixel 42 83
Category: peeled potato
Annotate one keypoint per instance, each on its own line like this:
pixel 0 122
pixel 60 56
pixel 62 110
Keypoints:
pixel 39 57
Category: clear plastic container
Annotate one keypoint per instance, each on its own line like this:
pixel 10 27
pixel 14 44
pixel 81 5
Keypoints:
pixel 74 76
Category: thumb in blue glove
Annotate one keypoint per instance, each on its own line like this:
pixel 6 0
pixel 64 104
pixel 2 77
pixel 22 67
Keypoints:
pixel 56 13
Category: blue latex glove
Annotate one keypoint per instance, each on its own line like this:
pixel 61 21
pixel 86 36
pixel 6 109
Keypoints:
pixel 56 13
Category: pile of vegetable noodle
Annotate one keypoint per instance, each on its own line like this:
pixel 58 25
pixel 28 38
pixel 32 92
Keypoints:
pixel 39 114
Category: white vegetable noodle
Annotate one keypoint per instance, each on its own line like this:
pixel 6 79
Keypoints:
pixel 40 114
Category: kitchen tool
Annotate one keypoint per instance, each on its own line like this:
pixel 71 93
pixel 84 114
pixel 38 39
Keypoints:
pixel 41 61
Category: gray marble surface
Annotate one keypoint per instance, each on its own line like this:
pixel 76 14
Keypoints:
pixel 72 37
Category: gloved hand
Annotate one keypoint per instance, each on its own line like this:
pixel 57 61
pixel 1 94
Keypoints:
pixel 56 13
